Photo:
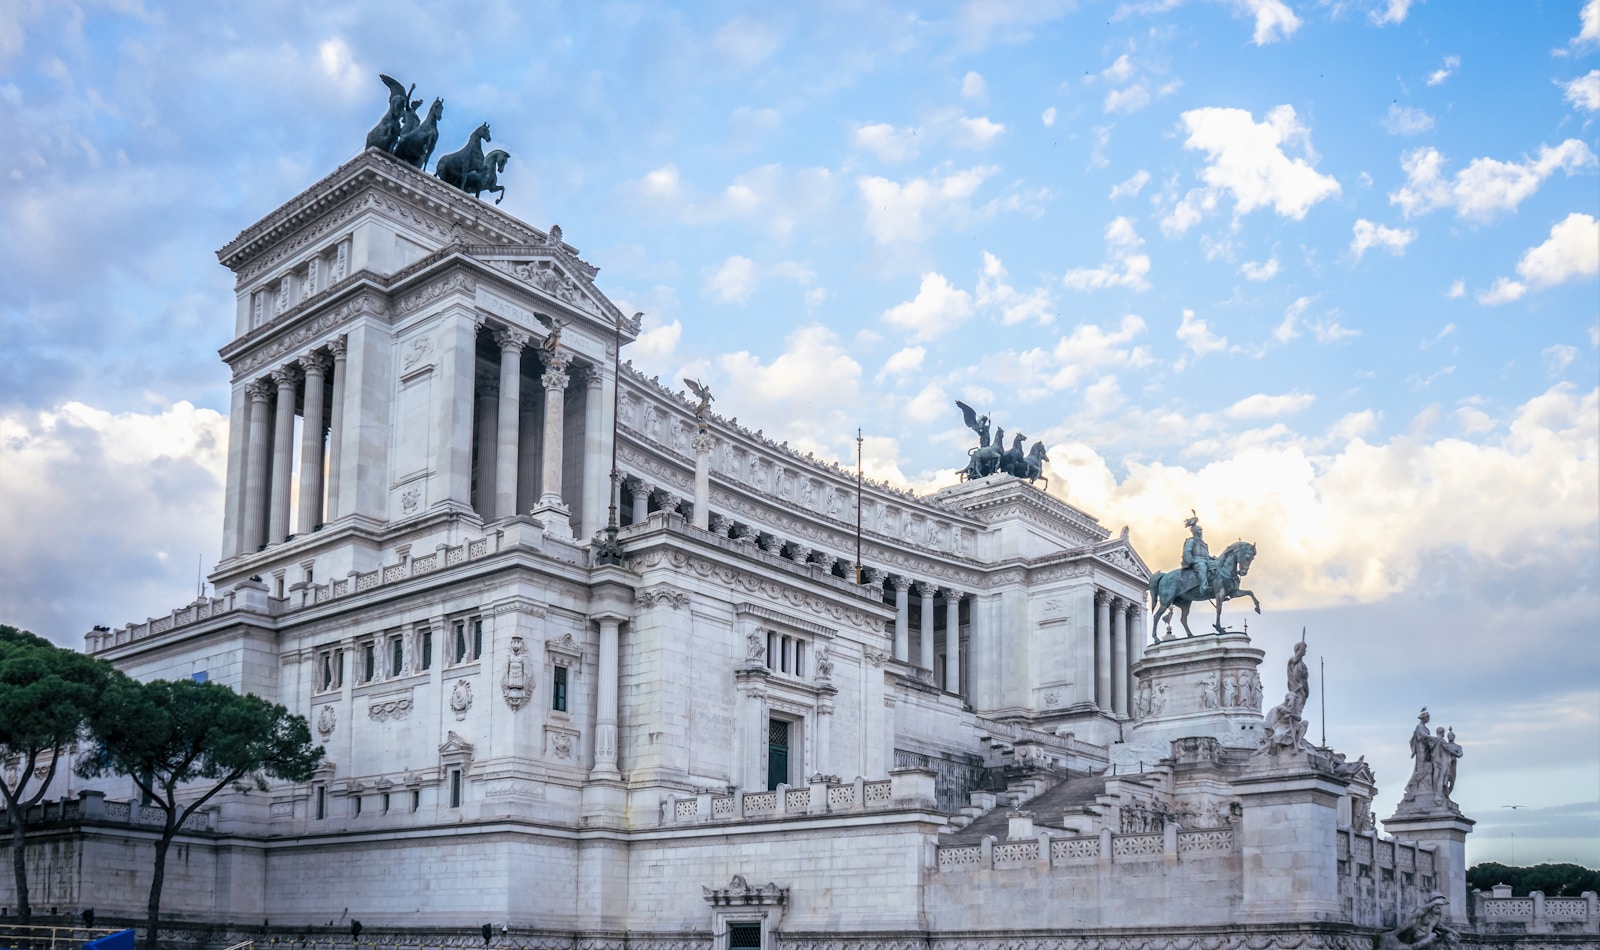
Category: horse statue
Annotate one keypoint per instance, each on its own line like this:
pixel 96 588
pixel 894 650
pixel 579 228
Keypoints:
pixel 454 168
pixel 416 146
pixel 1011 458
pixel 495 162
pixel 985 459
pixel 1031 466
pixel 387 131
pixel 1181 588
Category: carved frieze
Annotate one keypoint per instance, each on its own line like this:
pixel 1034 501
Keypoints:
pixel 461 699
pixel 456 282
pixel 385 710
pixel 327 719
pixel 302 335
pixel 662 594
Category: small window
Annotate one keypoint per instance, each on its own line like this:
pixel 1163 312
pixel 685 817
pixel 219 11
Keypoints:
pixel 322 802
pixel 397 656
pixel 199 677
pixel 477 638
pixel 458 651
pixel 356 808
pixel 558 689
pixel 330 669
pixel 455 788
pixel 416 799
pixel 427 651
pixel 369 662
pixel 385 803
pixel 744 935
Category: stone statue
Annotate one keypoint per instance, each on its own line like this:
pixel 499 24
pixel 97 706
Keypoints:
pixel 1433 770
pixel 755 646
pixel 975 422
pixel 1299 677
pixel 1201 577
pixel 1282 729
pixel 415 147
pixel 701 392
pixel 1452 753
pixel 454 168
pixel 387 131
pixel 1230 692
pixel 1426 928
pixel 514 685
pixel 1208 691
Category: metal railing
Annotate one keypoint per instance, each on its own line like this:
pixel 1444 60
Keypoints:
pixel 35 937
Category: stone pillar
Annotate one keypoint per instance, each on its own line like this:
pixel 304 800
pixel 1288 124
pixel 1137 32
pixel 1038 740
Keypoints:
pixel 702 443
pixel 1102 649
pixel 902 618
pixel 641 501
pixel 605 722
pixel 1119 656
pixel 336 349
pixel 952 640
pixel 314 365
pixel 925 648
pixel 505 449
pixel 551 509
pixel 282 455
pixel 255 481
pixel 596 479
pixel 1286 840
pixel 1448 833
pixel 1135 649
pixel 485 439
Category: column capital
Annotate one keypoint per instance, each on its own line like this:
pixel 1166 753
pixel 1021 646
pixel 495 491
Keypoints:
pixel 337 347
pixel 313 364
pixel 639 486
pixel 594 376
pixel 1102 598
pixel 873 575
pixel 950 593
pixel 259 390
pixel 702 442
pixel 927 589
pixel 286 375
pixel 554 378
pixel 509 339
pixel 901 583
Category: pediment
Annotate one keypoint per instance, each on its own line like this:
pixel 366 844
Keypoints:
pixel 1121 555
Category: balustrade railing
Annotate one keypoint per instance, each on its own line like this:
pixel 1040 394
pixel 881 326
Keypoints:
pixel 1079 849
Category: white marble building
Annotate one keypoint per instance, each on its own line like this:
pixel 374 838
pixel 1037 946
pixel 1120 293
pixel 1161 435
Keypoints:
pixel 726 740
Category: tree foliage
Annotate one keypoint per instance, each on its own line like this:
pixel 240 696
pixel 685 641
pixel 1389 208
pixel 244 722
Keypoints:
pixel 172 735
pixel 1553 880
pixel 46 695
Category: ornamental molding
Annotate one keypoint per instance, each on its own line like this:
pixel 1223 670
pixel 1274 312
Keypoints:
pixel 738 580
pixel 363 304
pixel 329 221
pixel 658 594
pixel 383 711
pixel 739 893
pixel 761 612
pixel 457 281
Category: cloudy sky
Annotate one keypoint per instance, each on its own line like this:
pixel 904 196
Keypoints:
pixel 1325 272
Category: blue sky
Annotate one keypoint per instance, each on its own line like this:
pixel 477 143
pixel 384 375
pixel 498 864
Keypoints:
pixel 1325 272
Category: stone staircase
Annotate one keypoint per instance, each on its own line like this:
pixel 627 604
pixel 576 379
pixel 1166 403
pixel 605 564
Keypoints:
pixel 1048 796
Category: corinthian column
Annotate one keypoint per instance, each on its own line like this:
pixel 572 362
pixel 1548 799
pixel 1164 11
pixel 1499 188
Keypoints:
pixel 925 648
pixel 505 453
pixel 641 500
pixel 314 365
pixel 551 509
pixel 282 455
pixel 702 443
pixel 902 618
pixel 1102 649
pixel 255 480
pixel 1119 656
pixel 952 640
pixel 335 427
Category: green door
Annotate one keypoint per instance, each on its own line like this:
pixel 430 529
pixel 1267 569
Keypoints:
pixel 777 753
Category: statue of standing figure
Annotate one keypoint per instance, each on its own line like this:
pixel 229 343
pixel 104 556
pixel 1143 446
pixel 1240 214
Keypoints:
pixel 1433 769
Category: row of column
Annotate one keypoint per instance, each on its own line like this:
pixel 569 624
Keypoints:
pixel 508 429
pixel 269 449
pixel 1117 644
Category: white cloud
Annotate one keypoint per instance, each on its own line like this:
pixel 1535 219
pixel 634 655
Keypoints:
pixel 904 361
pixel 928 404
pixel 1246 159
pixel 733 281
pixel 977 132
pixel 1260 270
pixel 1584 92
pixel 771 197
pixel 1274 20
pixel 340 66
pixel 1406 120
pixel 1558 357
pixel 1124 267
pixel 1132 186
pixel 1444 71
pixel 1328 329
pixel 1262 406
pixel 1458 289
pixel 1197 335
pixel 1503 290
pixel 1394 12
pixel 1089 349
pixel 1589 25
pixel 1368 235
pixel 901 212
pixel 745 42
pixel 1487 186
pixel 937 308
pixel 890 144
pixel 973 87
pixel 1127 101
pixel 1289 328
pixel 812 365
pixel 1048 117
pixel 1119 71
pixel 995 293
pixel 1572 252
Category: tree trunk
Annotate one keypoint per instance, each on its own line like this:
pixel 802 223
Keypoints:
pixel 153 927
pixel 19 824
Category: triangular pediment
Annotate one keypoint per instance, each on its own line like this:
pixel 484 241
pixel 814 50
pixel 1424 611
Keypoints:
pixel 1119 553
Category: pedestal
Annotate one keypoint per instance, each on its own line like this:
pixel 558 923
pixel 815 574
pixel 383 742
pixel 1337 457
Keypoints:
pixel 1448 834
pixel 1196 686
pixel 556 518
pixel 1286 837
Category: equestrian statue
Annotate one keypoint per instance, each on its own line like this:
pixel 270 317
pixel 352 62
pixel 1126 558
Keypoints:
pixel 991 455
pixel 1200 577
pixel 411 138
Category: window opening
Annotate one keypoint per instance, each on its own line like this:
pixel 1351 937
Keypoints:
pixel 386 803
pixel 744 935
pixel 455 788
pixel 558 689
pixel 459 648
pixel 777 753
pixel 397 656
pixel 357 800
pixel 416 799
pixel 477 638
pixel 369 662
pixel 322 802
pixel 427 649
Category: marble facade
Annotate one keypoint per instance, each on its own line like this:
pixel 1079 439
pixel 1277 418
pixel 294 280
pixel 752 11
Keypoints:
pixel 739 726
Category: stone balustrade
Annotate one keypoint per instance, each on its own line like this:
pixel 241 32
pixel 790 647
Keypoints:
pixel 1500 913
pixel 301 595
pixel 1378 875
pixel 907 788
pixel 1046 850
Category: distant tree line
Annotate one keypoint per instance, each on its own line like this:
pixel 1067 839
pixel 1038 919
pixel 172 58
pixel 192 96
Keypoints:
pixel 1553 880
pixel 180 741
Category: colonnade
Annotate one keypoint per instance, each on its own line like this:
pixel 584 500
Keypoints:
pixel 500 427
pixel 1117 644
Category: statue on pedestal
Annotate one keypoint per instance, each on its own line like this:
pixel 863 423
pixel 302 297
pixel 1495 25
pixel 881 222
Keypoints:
pixel 1283 729
pixel 702 409
pixel 1201 577
pixel 1433 770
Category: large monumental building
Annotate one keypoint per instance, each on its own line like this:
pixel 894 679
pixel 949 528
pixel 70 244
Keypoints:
pixel 731 734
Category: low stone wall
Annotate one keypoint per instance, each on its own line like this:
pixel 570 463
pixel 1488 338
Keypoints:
pixel 1380 879
pixel 1501 914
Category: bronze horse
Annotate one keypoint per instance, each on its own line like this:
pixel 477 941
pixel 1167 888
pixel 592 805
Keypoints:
pixel 1180 589
pixel 416 146
pixel 454 168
